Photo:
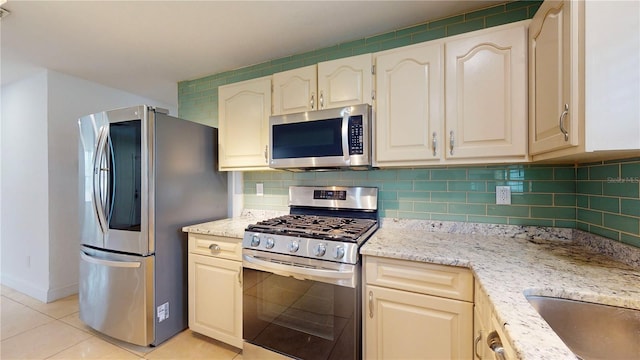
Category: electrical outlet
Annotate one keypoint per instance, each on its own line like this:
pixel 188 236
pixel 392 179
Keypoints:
pixel 503 195
pixel 260 189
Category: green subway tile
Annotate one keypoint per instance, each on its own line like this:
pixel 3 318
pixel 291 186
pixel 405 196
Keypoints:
pixel 487 174
pixel 530 222
pixel 405 206
pixel 582 201
pixel 450 197
pixel 465 27
pixel 604 232
pixel 479 186
pixel 604 203
pixel 448 217
pixel 411 30
pixel 516 5
pixel 564 200
pixel 533 9
pixel 414 215
pixel 399 185
pixel 589 187
pixel 604 172
pixel 473 209
pixel 281 175
pixel 369 48
pixel 538 174
pixel 381 37
pixel 623 161
pixel 449 174
pixel 622 223
pixel 446 21
pixel 630 171
pixel 382 175
pixel 430 185
pixel 481 198
pixel 508 210
pixel 553 212
pixel 417 174
pixel 630 239
pixel 390 205
pixel 413 195
pixel 564 174
pixel 507 17
pixel 429 35
pixel 531 199
pixel 583 226
pixel 565 224
pixel 430 207
pixel 588 216
pixel 487 219
pixel 622 189
pixel 630 207
pixel 485 12
pixel 582 173
pixel 397 42
pixel 553 186
pixel 353 175
pixel 389 213
pixel 387 195
pixel 298 175
pixel 353 44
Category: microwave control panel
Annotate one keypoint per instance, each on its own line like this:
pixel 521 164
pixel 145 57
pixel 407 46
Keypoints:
pixel 356 135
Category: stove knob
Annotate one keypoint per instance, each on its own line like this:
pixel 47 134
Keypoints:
pixel 294 246
pixel 255 240
pixel 338 253
pixel 270 243
pixel 320 250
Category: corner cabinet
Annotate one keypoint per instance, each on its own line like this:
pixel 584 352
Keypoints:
pixel 480 78
pixel 583 87
pixel 485 325
pixel 416 310
pixel 243 119
pixel 329 84
pixel 215 287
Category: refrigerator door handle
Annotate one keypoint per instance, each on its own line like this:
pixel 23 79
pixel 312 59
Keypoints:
pixel 98 178
pixel 110 263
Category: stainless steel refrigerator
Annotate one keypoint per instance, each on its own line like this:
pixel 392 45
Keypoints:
pixel 143 176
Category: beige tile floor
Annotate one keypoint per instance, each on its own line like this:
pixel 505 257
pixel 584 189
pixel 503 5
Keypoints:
pixel 30 329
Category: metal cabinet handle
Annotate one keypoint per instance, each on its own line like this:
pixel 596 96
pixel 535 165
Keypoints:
pixel 214 247
pixel 475 345
pixel 266 154
pixel 563 116
pixel 313 101
pixel 494 343
pixel 434 143
pixel 321 100
pixel 371 304
pixel 240 275
pixel 451 142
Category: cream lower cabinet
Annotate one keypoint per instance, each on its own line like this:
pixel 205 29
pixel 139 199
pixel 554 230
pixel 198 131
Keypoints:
pixel 215 287
pixel 484 325
pixel 416 310
pixel 243 119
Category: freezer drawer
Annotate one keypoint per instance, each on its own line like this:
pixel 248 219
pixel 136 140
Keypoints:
pixel 116 295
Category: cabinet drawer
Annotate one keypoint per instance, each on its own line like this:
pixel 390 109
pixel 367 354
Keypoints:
pixel 439 280
pixel 216 246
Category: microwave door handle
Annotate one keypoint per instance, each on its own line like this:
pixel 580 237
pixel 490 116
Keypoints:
pixel 345 138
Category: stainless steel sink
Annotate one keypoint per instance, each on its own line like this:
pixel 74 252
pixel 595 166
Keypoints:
pixel 592 331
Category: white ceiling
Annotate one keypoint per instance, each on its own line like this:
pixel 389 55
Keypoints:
pixel 146 47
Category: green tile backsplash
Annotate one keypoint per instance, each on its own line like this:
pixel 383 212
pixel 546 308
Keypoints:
pixel 602 198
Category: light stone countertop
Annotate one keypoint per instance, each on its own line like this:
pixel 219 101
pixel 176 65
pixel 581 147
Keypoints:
pixel 232 227
pixel 509 262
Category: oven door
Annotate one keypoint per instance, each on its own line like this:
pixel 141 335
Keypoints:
pixel 302 308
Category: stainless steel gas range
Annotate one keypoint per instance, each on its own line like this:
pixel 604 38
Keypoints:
pixel 301 272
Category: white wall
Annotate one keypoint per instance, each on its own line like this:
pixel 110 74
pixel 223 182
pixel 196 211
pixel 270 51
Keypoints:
pixel 56 243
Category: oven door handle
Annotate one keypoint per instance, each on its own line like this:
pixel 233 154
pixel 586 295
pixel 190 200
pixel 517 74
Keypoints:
pixel 296 271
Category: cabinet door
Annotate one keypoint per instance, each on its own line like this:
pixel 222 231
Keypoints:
pixel 486 96
pixel 243 119
pixel 551 107
pixel 409 105
pixel 406 325
pixel 345 82
pixel 295 91
pixel 215 298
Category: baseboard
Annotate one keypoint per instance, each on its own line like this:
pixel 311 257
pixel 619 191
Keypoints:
pixel 24 287
pixel 61 292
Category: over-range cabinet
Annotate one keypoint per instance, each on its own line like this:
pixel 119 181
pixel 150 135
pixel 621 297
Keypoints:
pixel 143 176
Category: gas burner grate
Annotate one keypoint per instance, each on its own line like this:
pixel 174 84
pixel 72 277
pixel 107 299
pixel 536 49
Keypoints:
pixel 317 227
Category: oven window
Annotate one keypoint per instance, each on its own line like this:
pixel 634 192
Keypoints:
pixel 301 318
pixel 308 139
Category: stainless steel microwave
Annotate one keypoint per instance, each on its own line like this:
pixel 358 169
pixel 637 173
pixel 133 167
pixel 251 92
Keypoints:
pixel 328 139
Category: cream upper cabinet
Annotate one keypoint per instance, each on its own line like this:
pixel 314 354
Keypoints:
pixel 243 119
pixel 295 90
pixel 486 94
pixel 485 121
pixel 416 310
pixel 583 86
pixel 409 105
pixel 327 85
pixel 345 82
